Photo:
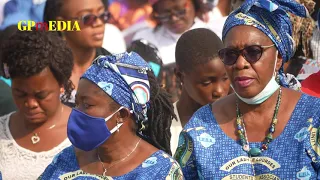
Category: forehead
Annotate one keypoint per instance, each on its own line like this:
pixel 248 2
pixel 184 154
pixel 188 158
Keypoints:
pixel 72 7
pixel 170 4
pixel 38 82
pixel 89 89
pixel 214 67
pixel 242 36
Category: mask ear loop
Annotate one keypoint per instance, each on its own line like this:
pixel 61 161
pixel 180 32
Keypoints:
pixel 276 74
pixel 275 64
pixel 116 128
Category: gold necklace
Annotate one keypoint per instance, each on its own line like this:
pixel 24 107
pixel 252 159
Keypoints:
pixel 105 170
pixel 35 139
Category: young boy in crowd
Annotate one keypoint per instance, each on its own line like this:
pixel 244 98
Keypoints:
pixel 201 73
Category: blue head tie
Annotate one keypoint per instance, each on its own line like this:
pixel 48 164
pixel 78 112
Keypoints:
pixel 124 78
pixel 271 17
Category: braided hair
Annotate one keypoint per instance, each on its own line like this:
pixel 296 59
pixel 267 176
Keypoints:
pixel 160 116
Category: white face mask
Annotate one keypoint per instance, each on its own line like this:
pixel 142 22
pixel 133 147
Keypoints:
pixel 270 88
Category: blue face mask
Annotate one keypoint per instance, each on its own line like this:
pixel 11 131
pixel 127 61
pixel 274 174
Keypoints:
pixel 86 132
pixel 270 88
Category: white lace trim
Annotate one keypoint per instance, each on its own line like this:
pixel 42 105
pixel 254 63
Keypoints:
pixel 17 162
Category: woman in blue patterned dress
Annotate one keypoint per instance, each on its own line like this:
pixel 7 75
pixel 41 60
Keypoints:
pixel 116 121
pixel 264 130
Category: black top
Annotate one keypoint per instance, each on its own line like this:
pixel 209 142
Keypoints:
pixel 102 51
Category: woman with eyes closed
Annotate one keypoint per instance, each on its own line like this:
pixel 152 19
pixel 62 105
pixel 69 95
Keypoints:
pixel 39 65
pixel 121 127
pixel 264 130
pixel 86 44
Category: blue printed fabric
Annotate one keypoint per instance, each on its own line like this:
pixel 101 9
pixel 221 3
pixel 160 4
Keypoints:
pixel 206 152
pixel 158 166
pixel 271 17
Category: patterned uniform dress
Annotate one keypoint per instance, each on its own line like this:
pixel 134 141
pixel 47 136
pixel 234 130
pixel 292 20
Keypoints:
pixel 158 166
pixel 206 152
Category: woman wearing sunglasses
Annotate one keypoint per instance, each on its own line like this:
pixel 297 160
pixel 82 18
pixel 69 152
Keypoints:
pixel 121 127
pixel 87 43
pixel 264 130
pixel 173 18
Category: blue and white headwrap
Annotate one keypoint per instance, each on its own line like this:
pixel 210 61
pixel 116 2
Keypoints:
pixel 271 17
pixel 124 78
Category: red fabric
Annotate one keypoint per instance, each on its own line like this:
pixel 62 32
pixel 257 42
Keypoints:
pixel 311 85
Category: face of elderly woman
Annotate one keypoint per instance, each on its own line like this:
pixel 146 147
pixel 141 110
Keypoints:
pixel 248 79
pixel 176 15
pixel 93 101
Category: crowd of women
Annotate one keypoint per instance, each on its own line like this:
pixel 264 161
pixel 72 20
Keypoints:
pixel 233 107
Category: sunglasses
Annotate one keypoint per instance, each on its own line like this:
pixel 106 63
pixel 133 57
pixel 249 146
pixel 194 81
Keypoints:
pixel 252 54
pixel 165 17
pixel 90 19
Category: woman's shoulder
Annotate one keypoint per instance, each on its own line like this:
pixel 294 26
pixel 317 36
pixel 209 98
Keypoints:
pixel 202 117
pixel 307 99
pixel 160 165
pixel 5 118
pixel 308 108
pixel 62 163
pixel 3 123
pixel 308 104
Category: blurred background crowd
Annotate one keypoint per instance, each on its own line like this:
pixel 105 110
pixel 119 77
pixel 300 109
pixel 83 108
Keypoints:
pixel 154 30
pixel 130 21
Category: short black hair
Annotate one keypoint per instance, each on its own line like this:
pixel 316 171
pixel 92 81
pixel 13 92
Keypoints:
pixel 27 53
pixel 148 52
pixel 197 46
